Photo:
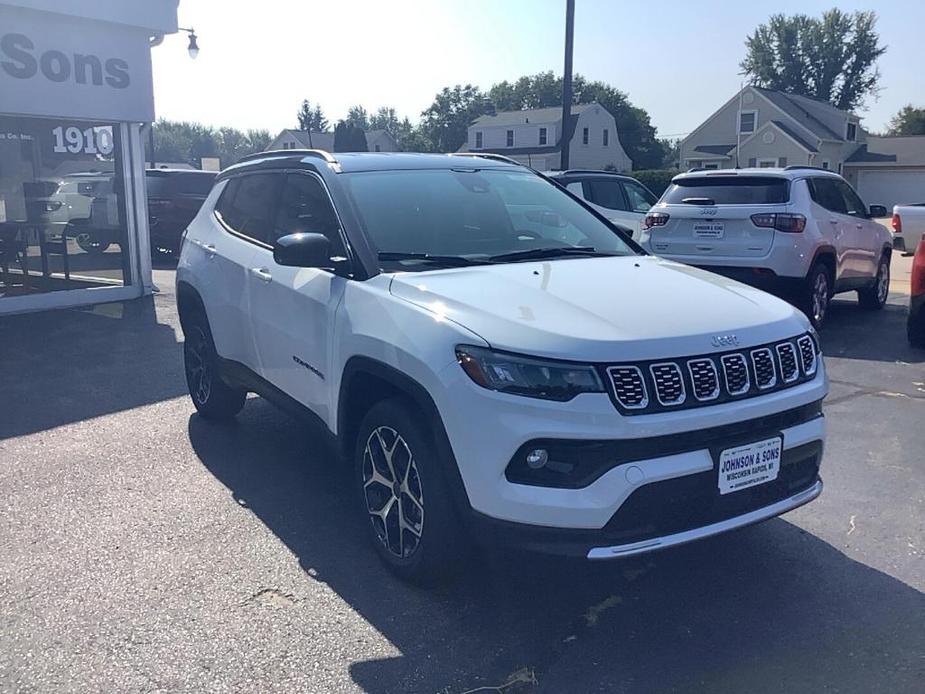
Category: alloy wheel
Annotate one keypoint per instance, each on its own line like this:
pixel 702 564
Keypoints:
pixel 883 282
pixel 392 490
pixel 198 366
pixel 820 297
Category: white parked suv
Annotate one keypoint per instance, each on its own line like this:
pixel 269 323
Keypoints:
pixel 800 231
pixel 497 361
pixel 621 198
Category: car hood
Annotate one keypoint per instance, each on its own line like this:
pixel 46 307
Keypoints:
pixel 601 309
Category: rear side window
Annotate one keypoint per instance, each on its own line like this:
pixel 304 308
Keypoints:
pixel 248 205
pixel 825 192
pixel 729 190
pixel 606 194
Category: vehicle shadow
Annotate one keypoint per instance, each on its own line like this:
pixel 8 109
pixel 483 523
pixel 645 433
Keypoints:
pixel 768 608
pixel 852 332
pixel 70 365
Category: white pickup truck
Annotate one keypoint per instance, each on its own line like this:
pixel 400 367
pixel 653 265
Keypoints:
pixel 908 226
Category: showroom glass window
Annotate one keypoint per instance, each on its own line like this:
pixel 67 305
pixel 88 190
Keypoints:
pixel 62 206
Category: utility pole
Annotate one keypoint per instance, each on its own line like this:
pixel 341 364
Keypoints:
pixel 566 136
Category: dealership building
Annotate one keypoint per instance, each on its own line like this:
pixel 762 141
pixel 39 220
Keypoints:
pixel 76 102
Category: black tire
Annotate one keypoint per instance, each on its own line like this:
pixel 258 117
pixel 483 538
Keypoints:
pixel 816 294
pixel 915 329
pixel 88 243
pixel 875 296
pixel 213 398
pixel 397 470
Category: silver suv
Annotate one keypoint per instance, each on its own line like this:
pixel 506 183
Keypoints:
pixel 800 231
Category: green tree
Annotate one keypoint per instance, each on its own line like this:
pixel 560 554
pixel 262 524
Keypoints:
pixel 349 138
pixel 319 122
pixel 184 142
pixel 833 57
pixel 909 121
pixel 311 118
pixel 445 123
pixel 358 117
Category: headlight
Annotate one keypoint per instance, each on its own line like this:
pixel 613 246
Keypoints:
pixel 534 378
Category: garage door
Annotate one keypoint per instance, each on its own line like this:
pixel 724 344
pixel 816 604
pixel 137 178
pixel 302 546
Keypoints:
pixel 892 187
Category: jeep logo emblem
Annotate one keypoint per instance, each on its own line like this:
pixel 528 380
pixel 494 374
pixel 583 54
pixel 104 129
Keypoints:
pixel 707 211
pixel 730 340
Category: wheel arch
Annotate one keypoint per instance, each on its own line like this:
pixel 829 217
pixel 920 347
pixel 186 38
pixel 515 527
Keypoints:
pixel 189 302
pixel 366 381
pixel 828 256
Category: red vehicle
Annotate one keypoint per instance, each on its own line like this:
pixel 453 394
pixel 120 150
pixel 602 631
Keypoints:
pixel 915 325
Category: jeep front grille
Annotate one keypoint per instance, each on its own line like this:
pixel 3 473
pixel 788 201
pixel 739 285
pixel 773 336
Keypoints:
pixel 628 386
pixel 807 354
pixel 787 358
pixel 704 378
pixel 669 384
pixel 697 381
pixel 735 369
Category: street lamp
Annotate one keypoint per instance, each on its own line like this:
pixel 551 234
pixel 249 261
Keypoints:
pixel 193 47
pixel 193 50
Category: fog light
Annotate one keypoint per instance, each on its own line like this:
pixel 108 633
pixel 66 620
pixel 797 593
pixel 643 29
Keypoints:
pixel 537 458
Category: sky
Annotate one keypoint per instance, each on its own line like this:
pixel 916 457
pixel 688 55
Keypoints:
pixel 677 59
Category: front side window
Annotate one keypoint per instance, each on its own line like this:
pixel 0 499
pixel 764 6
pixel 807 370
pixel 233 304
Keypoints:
pixel 747 121
pixel 853 203
pixel 542 136
pixel 473 215
pixel 248 205
pixel 606 194
pixel 728 190
pixel 639 199
pixel 304 207
pixel 510 138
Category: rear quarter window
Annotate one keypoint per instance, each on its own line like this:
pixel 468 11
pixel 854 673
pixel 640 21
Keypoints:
pixel 729 190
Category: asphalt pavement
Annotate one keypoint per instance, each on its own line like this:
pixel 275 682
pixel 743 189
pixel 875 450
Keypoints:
pixel 143 549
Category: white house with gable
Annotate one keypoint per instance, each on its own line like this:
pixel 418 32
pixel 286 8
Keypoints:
pixel 534 136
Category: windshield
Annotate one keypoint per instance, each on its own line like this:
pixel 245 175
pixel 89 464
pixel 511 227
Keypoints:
pixel 728 190
pixel 482 216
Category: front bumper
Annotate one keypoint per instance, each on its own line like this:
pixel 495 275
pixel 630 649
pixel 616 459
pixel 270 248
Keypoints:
pixel 486 429
pixel 680 538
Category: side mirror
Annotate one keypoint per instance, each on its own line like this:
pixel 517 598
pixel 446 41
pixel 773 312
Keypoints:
pixel 303 250
pixel 878 211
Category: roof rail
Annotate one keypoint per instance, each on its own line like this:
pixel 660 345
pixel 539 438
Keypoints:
pixel 591 171
pixel 274 153
pixel 487 155
pixel 797 167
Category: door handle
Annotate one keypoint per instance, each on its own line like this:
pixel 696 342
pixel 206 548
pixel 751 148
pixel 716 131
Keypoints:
pixel 262 274
pixel 209 249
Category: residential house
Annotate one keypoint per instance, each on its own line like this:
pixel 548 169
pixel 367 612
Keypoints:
pixel 376 141
pixel 534 137
pixel 766 128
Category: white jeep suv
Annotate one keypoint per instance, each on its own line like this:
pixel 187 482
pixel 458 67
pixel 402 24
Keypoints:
pixel 800 231
pixel 497 361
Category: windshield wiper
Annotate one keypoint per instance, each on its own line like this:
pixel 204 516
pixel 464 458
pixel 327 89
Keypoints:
pixel 537 253
pixel 448 260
